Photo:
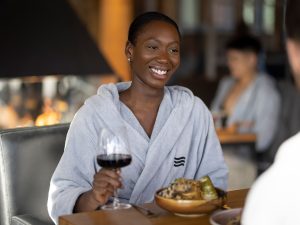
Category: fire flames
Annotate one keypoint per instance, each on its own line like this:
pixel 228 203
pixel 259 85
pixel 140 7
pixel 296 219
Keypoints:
pixel 52 112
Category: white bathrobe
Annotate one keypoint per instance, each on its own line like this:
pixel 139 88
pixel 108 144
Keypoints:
pixel 183 144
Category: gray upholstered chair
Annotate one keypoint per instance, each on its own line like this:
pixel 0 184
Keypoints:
pixel 28 157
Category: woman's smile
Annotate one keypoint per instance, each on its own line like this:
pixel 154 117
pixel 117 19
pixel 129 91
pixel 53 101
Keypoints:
pixel 159 73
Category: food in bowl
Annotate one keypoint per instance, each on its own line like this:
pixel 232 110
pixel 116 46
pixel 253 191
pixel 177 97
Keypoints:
pixel 190 197
pixel 186 189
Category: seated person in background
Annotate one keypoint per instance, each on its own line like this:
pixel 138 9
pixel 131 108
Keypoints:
pixel 163 123
pixel 248 98
pixel 274 198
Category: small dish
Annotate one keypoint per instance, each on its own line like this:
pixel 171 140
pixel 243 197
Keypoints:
pixel 191 208
pixel 226 217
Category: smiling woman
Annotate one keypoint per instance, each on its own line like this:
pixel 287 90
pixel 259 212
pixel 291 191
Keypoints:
pixel 153 50
pixel 164 124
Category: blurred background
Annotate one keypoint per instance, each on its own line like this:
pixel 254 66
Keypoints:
pixel 54 54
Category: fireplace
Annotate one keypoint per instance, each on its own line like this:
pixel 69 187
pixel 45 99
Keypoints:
pixel 47 100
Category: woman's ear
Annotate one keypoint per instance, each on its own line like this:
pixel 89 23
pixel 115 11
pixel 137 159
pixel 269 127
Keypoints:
pixel 129 50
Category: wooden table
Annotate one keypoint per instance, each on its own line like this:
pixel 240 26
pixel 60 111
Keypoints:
pixel 133 217
pixel 233 138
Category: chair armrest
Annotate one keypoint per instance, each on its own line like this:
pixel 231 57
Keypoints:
pixel 28 220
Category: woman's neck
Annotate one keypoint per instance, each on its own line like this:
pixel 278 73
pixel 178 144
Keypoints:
pixel 140 95
pixel 247 78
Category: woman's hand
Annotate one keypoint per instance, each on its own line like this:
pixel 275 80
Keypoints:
pixel 104 184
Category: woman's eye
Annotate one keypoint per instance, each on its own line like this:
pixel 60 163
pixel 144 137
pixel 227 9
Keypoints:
pixel 152 47
pixel 173 50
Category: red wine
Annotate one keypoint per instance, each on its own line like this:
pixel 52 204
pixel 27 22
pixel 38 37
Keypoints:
pixel 113 160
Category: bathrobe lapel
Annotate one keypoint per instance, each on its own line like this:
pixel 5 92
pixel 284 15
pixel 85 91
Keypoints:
pixel 161 146
pixel 244 104
pixel 112 120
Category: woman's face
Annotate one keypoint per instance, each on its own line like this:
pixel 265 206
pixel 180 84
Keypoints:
pixel 241 63
pixel 155 55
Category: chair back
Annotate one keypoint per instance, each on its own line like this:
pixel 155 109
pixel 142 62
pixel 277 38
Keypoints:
pixel 28 158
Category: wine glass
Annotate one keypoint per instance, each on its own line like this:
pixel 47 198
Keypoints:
pixel 114 155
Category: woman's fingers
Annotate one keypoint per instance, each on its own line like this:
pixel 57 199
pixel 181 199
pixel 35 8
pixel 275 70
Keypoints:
pixel 104 184
pixel 102 196
pixel 105 177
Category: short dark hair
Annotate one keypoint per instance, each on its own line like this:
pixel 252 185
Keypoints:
pixel 292 19
pixel 246 43
pixel 140 21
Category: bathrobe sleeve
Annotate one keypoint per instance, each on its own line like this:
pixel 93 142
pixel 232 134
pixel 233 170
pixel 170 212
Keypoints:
pixel 76 168
pixel 266 115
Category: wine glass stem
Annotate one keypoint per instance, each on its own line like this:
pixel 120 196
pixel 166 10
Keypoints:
pixel 116 199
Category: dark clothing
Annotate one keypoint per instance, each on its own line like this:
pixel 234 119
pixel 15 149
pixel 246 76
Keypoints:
pixel 289 120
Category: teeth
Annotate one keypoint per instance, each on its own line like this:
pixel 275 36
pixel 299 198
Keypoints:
pixel 160 72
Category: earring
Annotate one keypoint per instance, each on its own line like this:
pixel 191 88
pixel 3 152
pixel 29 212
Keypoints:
pixel 129 59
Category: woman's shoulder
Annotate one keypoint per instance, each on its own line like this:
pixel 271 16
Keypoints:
pixel 104 98
pixel 264 79
pixel 265 83
pixel 266 87
pixel 107 95
pixel 224 84
pixel 180 94
pixel 177 93
pixel 86 113
pixel 178 88
pixel 184 96
pixel 226 80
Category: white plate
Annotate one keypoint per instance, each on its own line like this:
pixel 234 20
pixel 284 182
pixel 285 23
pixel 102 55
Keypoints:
pixel 223 217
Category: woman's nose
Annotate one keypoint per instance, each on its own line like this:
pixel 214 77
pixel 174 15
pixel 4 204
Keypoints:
pixel 163 56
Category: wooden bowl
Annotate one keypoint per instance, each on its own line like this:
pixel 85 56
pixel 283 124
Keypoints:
pixel 191 208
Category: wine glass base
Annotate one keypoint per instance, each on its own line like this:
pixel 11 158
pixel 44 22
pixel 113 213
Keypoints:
pixel 118 206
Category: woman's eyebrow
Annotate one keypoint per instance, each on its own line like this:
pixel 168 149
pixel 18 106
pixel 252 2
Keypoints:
pixel 157 40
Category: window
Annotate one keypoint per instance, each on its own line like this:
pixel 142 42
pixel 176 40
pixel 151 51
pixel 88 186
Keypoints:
pixel 260 14
pixel 189 14
pixel 269 16
pixel 248 12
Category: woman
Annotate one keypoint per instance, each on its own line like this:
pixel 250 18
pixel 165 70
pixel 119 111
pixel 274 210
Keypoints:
pixel 250 101
pixel 249 98
pixel 162 123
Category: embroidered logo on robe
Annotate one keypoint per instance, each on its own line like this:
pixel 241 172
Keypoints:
pixel 179 161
